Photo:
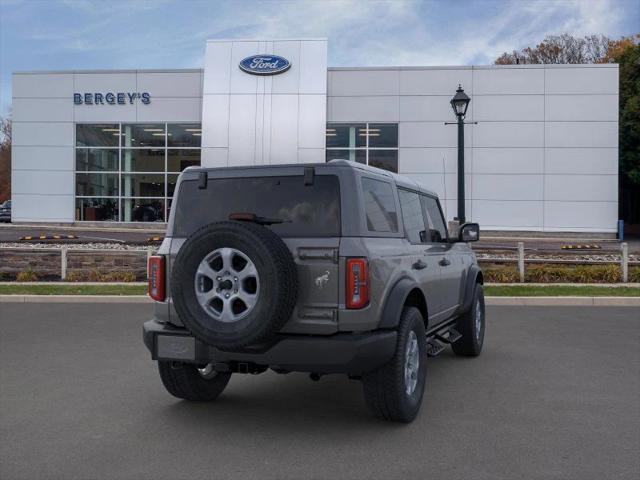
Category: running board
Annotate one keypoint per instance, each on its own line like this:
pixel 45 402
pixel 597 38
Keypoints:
pixel 434 348
pixel 438 341
pixel 450 336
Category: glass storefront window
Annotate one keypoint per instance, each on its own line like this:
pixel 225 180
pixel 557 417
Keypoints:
pixel 171 185
pixel 121 170
pixel 385 159
pixel 178 160
pixel 96 209
pixel 343 135
pixel 143 185
pixel 96 160
pixel 374 144
pixel 184 135
pixel 144 135
pixel 143 209
pixel 101 135
pixel 359 156
pixel 383 135
pixel 96 185
pixel 143 160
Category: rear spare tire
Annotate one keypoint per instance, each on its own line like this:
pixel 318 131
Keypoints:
pixel 234 284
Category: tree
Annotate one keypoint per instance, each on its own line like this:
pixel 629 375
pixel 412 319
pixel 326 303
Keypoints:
pixel 600 49
pixel 563 48
pixel 626 52
pixel 5 159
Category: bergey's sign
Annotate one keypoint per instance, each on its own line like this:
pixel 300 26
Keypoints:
pixel 265 64
pixel 110 98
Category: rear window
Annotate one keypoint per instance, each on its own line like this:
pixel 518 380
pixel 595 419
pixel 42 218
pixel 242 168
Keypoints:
pixel 308 211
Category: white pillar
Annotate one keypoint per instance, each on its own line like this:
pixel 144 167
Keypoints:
pixel 521 261
pixel 63 262
pixel 624 262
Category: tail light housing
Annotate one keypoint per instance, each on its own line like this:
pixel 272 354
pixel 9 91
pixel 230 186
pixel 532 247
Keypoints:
pixel 357 283
pixel 156 278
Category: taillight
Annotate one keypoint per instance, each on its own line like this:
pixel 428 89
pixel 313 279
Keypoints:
pixel 357 283
pixel 156 278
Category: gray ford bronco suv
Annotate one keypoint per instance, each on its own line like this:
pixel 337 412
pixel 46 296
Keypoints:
pixel 326 268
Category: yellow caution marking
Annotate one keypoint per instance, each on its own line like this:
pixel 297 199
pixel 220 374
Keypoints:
pixel 581 247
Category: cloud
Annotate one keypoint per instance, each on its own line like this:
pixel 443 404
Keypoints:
pixel 43 35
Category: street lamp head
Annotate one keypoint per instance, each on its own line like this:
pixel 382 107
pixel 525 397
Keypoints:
pixel 460 102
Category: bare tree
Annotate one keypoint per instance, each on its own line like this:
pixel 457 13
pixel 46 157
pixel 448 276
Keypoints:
pixel 563 48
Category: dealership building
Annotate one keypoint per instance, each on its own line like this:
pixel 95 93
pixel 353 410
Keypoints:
pixel 107 146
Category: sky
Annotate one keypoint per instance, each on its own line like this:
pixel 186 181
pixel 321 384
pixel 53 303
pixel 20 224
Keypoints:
pixel 113 34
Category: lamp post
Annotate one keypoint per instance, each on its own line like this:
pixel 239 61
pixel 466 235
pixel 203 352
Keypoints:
pixel 460 103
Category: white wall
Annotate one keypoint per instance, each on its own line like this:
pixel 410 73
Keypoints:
pixel 543 155
pixel 254 120
pixel 44 115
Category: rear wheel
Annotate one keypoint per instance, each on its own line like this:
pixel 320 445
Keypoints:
pixel 191 382
pixel 471 325
pixel 394 391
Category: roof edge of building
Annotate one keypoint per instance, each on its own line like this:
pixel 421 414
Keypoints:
pixel 115 70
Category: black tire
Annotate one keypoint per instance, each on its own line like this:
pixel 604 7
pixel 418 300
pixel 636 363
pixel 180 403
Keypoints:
pixel 278 284
pixel 184 381
pixel 470 344
pixel 385 389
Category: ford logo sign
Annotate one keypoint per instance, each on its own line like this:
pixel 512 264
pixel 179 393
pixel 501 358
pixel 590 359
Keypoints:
pixel 265 64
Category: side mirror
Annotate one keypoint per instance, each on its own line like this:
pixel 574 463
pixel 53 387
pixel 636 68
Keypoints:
pixel 469 232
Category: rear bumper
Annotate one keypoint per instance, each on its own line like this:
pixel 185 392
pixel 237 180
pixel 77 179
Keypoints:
pixel 340 353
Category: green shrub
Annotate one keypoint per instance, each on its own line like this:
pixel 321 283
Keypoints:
pixel 75 277
pixel 549 273
pixel 96 276
pixel 27 275
pixel 127 276
pixel 634 274
pixel 500 273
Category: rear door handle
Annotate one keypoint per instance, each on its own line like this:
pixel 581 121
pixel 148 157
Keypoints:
pixel 444 262
pixel 419 265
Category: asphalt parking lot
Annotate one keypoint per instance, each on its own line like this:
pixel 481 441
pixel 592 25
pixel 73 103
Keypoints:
pixel 555 394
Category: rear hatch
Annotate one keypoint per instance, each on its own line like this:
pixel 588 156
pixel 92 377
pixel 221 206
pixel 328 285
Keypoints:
pixel 309 208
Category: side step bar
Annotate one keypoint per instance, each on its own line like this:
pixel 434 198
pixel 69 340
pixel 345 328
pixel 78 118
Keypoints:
pixel 437 342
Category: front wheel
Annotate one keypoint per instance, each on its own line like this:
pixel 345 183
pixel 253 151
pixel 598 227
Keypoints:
pixel 471 325
pixel 394 391
pixel 191 382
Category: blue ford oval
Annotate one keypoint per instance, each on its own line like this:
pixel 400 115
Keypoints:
pixel 265 64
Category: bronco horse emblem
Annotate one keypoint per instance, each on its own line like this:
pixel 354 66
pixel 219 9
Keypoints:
pixel 322 279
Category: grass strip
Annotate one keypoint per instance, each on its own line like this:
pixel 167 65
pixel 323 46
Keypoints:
pixel 559 291
pixel 54 289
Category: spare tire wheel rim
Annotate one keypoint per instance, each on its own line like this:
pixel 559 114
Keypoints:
pixel 227 285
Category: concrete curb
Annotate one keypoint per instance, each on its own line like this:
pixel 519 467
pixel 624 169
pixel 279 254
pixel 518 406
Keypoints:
pixel 510 301
pixel 565 301
pixel 551 285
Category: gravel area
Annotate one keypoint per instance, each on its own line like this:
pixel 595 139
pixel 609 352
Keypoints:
pixel 574 256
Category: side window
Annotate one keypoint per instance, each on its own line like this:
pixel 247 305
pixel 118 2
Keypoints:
pixel 380 206
pixel 437 228
pixel 412 216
